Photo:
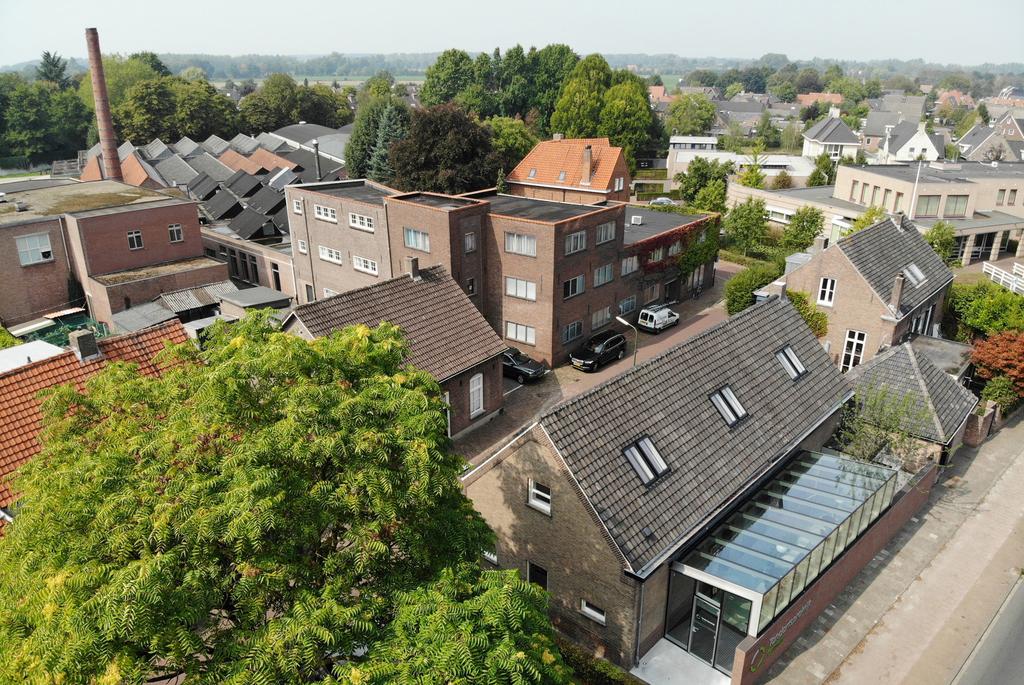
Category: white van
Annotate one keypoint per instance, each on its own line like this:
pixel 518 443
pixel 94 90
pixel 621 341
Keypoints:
pixel 657 318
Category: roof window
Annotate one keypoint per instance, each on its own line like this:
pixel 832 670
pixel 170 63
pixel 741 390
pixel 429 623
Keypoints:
pixel 643 456
pixel 533 172
pixel 914 275
pixel 561 175
pixel 790 362
pixel 728 405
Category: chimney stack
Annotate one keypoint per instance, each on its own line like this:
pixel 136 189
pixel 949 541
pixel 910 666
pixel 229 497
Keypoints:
pixel 83 344
pixel 897 219
pixel 413 266
pixel 104 122
pixel 818 245
pixel 588 159
pixel 316 157
pixel 897 294
pixel 558 136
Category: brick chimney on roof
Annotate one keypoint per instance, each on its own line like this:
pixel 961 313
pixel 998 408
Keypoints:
pixel 588 161
pixel 104 122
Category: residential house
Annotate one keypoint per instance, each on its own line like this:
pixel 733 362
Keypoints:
pixel 1003 141
pixel 693 143
pixel 875 128
pixel 909 107
pixel 877 286
pixel 448 338
pixel 710 92
pixel 831 136
pixel 808 99
pixel 954 99
pixel 797 167
pixel 658 509
pixel 579 170
pixel 742 114
pixel 908 142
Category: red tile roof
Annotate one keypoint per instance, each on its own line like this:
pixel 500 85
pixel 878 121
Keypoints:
pixel 551 157
pixel 237 162
pixel 806 99
pixel 20 415
pixel 268 160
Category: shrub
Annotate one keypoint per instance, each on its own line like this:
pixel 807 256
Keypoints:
pixel 1000 390
pixel 1001 355
pixel 591 670
pixel 816 320
pixel 739 291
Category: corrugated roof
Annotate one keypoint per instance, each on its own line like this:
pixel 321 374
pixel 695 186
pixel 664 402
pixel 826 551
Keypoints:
pixel 208 164
pixel 267 200
pixel 187 147
pixel 252 223
pixel 141 316
pixel 244 144
pixel 179 301
pixel 215 145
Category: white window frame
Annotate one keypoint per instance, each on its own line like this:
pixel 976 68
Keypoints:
pixel 853 339
pixel 605 232
pixel 303 247
pixel 476 395
pixel 521 332
pixel 578 288
pixel 575 242
pixel 364 264
pixel 136 234
pixel 657 254
pixel 790 362
pixel 325 213
pixel 329 293
pixel 416 239
pixel 297 205
pixel 593 612
pixel 675 248
pixel 826 291
pixel 604 274
pixel 630 265
pixel 538 499
pixel 490 556
pixel 728 405
pixel 521 244
pixel 360 222
pixel 605 318
pixel 329 254
pixel 469 242
pixel 31 250
pixel 520 288
pixel 173 229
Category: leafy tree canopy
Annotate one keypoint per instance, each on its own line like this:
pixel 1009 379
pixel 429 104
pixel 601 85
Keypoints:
pixel 986 308
pixel 54 69
pixel 942 237
pixel 154 62
pixel 700 173
pixel 447 77
pixel 871 216
pixel 626 119
pixel 689 115
pixel 745 224
pixel 739 290
pixel 804 226
pixel 511 139
pixel 6 339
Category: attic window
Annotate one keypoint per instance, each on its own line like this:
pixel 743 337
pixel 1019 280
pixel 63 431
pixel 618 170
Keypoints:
pixel 728 405
pixel 533 172
pixel 790 362
pixel 643 456
pixel 914 275
pixel 561 175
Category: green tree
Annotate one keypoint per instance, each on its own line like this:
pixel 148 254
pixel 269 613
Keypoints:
pixel 200 111
pixel 69 123
pixel 791 137
pixel 448 76
pixel 785 91
pixel 689 115
pixel 701 78
pixel 511 140
pixel 468 627
pixel 272 106
pixel 147 112
pixel 6 339
pixel 394 122
pixel 1001 391
pixel 882 419
pixel 804 226
pixel 739 290
pixel 594 70
pixel 711 198
pixel 733 89
pixel 320 104
pixel 552 66
pixel 699 173
pixel 752 176
pixel 54 69
pixel 808 81
pixel 871 216
pixel 252 515
pixel 767 132
pixel 985 308
pixel 578 110
pixel 380 85
pixel 121 74
pixel 966 124
pixel 154 62
pixel 192 73
pixel 824 171
pixel 745 224
pixel 983 114
pixel 363 140
pixel 815 319
pixel 27 119
pixel 626 119
pixel 942 237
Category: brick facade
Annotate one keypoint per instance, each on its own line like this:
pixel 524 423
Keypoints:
pixel 457 389
pixel 273 261
pixel 27 292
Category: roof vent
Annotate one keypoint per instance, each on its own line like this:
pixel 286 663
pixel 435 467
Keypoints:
pixel 636 220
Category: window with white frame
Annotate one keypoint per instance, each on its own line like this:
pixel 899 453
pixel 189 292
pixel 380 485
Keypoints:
pixel 476 395
pixel 652 291
pixel 630 264
pixel 367 266
pixel 914 274
pixel 593 612
pixel 518 287
pixel 329 254
pixel 469 242
pixel 34 249
pixel 325 213
pixel 606 232
pixel 360 221
pixel 603 274
pixel 573 287
pixel 645 459
pixel 927 205
pixel 790 362
pixel 627 305
pixel 657 254
pixel 517 243
pixel 575 242
pixel 675 248
pixel 827 291
pixel 520 333
pixel 417 240
pixel 728 405
pixel 600 318
pixel 174 233
pixel 853 350
pixel 297 206
pixel 572 331
pixel 302 247
pixel 135 240
pixel 539 497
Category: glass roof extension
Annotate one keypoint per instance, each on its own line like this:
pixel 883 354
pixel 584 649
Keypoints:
pixel 783 537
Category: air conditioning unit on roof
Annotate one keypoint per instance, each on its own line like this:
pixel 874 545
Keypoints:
pixel 636 220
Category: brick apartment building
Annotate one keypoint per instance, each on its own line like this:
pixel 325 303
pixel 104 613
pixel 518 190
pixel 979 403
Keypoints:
pixel 579 170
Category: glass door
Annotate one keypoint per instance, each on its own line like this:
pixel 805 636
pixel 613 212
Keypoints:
pixel 704 629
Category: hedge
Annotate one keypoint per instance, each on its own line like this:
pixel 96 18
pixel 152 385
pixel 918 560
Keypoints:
pixel 674 194
pixel 590 670
pixel 15 162
pixel 739 290
pixel 655 174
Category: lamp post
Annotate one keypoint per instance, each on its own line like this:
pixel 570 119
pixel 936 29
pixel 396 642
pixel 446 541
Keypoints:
pixel 636 336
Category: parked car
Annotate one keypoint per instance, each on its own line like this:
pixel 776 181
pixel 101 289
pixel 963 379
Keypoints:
pixel 515 364
pixel 662 201
pixel 600 349
pixel 656 318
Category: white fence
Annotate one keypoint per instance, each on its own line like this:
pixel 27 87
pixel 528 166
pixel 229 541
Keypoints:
pixel 1011 281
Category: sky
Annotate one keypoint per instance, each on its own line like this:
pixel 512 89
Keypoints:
pixel 800 29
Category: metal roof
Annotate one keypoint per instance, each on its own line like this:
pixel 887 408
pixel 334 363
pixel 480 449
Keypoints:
pixel 200 296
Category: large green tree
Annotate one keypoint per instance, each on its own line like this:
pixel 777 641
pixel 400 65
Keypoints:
pixel 148 111
pixel 251 516
pixel 363 140
pixel 121 74
pixel 273 105
pixel 626 119
pixel 700 173
pixel 745 224
pixel 448 76
pixel 54 69
pixel 804 226
pixel 200 111
pixel 511 140
pixel 154 62
pixel 552 66
pixel 578 109
pixel 689 115
pixel 942 237
pixel 394 122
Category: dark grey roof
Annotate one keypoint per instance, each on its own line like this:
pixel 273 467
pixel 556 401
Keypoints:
pixel 447 334
pixel 258 296
pixel 252 223
pixel 34 184
pixel 155 150
pixel 141 316
pixel 875 123
pixel 740 106
pixel 667 400
pixel 206 163
pixel 269 141
pixel 329 169
pixel 538 210
pixel 949 355
pixel 831 130
pixel 911 106
pixel 202 187
pixel 334 143
pixel 187 147
pixel 215 145
pixel 303 133
pixel 243 184
pixel 244 144
pixel 902 133
pixel 267 200
pixel 940 404
pixel 882 251
pixel 176 170
pixel 223 205
pixel 978 134
pixel 282 177
pixel 359 190
pixel 653 223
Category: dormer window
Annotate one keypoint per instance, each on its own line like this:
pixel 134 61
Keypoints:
pixel 914 275
pixel 790 362
pixel 533 173
pixel 645 459
pixel 728 405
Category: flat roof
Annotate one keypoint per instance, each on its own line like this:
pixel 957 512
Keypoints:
pixel 821 194
pixel 962 172
pixel 437 200
pixel 653 222
pixel 538 210
pixel 987 219
pixel 950 356
pixel 117 209
pixel 352 190
pixel 33 184
pixel 26 353
pixel 155 270
pixel 255 297
pixel 71 198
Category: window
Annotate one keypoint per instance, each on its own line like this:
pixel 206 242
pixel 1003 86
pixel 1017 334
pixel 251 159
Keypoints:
pixel 627 305
pixel 517 287
pixel 778 215
pixel 573 287
pixel 592 611
pixel 728 405
pixel 537 575
pixel 471 286
pixel 651 292
pixel 897 204
pixel 657 254
pixel 417 240
pixel 914 274
pixel 1013 197
pixel 853 350
pixel 675 248
pixel 360 221
pixel 602 275
pixel 329 254
pixel 329 293
pixel 606 232
pixel 297 206
pixel 600 318
pixel 34 249
pixel 517 243
pixel 885 198
pixel 532 174
pixel 469 242
pixel 302 247
pixel 491 557
pixel 561 175
pixel 874 190
pixel 520 333
pixel 476 395
pixel 575 242
pixel 572 331
pixel 174 233
pixel 927 205
pixel 135 240
pixel 853 191
pixel 645 459
pixel 540 497
pixel 630 264
pixel 956 206
pixel 254 272
pixel 863 192
pixel 790 362
pixel 827 291
pixel 310 295
pixel 275 271
pixel 367 266
pixel 325 213
pixel 1000 196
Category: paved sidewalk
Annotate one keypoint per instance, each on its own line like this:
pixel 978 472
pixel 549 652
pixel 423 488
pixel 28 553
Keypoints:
pixel 916 611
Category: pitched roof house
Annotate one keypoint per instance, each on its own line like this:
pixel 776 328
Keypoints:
pixel 907 141
pixel 831 135
pixel 577 170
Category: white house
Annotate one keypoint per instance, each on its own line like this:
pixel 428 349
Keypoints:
pixel 906 142
pixel 832 136
pixel 693 143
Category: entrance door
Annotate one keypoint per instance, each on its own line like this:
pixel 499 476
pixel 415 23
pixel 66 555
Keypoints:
pixel 704 629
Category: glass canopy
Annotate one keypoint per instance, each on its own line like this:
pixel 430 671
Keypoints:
pixel 789 532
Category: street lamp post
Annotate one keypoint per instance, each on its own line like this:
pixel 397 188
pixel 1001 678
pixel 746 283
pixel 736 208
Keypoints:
pixel 636 336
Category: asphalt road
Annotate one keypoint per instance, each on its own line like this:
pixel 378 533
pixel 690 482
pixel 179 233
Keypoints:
pixel 998 658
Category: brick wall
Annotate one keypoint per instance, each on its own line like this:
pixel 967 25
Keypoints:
pixel 106 300
pixel 28 292
pixel 457 388
pixel 216 246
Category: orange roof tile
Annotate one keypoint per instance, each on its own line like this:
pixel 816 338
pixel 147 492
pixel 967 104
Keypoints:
pixel 237 162
pixel 268 160
pixel 550 158
pixel 806 99
pixel 20 415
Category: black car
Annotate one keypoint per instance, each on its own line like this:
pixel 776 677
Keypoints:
pixel 600 349
pixel 515 364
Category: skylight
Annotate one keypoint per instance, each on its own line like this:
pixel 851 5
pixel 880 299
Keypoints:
pixel 790 362
pixel 914 275
pixel 728 405
pixel 533 172
pixel 561 175
pixel 645 459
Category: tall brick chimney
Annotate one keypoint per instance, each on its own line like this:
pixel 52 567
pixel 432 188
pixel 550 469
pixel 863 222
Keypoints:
pixel 104 123
pixel 896 299
pixel 588 169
